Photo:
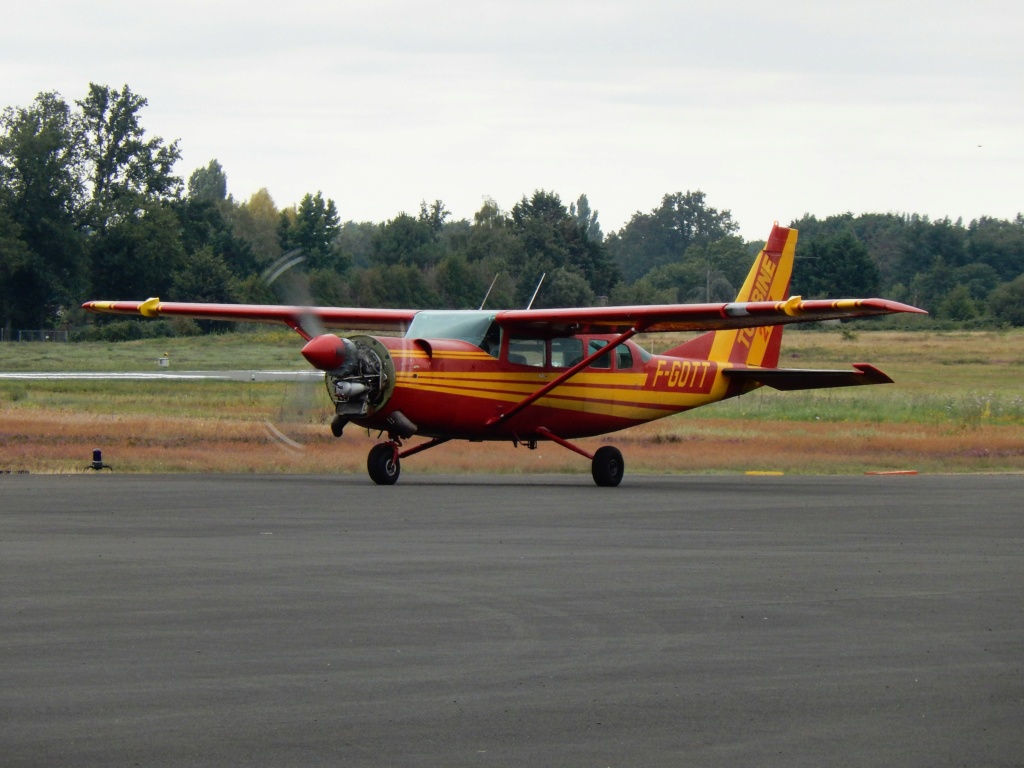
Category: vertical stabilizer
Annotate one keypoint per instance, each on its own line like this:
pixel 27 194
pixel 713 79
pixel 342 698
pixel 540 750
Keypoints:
pixel 768 280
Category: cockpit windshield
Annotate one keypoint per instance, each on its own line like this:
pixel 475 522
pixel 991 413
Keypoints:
pixel 463 324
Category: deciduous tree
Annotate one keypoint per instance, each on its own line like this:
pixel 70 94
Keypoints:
pixel 550 239
pixel 834 267
pixel 208 184
pixel 202 276
pixel 257 221
pixel 406 240
pixel 140 254
pixel 654 239
pixel 1006 304
pixel 41 183
pixel 998 243
pixel 127 172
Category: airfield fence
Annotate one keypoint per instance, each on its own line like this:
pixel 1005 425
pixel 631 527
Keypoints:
pixel 61 336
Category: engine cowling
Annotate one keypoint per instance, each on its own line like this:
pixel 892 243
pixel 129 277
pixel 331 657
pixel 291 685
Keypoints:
pixel 360 373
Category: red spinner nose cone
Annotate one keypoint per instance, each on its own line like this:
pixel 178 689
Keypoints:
pixel 326 352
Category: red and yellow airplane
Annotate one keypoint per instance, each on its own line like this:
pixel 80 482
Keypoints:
pixel 530 375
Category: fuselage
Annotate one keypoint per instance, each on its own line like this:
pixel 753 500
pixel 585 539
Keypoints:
pixel 454 389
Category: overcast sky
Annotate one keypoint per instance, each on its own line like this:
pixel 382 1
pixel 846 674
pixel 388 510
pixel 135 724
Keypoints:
pixel 773 109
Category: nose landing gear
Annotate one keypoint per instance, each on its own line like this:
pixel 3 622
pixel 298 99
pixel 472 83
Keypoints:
pixel 383 463
pixel 384 460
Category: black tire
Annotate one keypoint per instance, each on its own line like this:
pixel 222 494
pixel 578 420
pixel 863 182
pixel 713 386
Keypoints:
pixel 383 464
pixel 608 467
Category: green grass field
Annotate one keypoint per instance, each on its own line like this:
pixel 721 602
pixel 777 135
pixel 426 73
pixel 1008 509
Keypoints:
pixel 957 405
pixel 264 350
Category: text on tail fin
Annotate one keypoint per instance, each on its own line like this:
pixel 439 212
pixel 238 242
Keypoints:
pixel 768 280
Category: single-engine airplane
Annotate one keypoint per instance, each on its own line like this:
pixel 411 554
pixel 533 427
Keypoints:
pixel 532 375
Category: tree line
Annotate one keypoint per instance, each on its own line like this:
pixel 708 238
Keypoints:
pixel 91 207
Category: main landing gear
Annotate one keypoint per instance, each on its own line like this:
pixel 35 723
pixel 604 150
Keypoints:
pixel 384 460
pixel 607 466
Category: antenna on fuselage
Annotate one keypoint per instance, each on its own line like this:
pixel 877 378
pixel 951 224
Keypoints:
pixel 537 289
pixel 486 295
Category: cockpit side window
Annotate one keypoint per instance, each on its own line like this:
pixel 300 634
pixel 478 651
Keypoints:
pixel 566 352
pixel 526 351
pixel 491 343
pixel 605 360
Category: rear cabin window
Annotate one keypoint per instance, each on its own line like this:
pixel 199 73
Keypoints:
pixel 565 352
pixel 623 358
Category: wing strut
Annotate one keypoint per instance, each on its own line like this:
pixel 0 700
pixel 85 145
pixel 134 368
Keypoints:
pixel 562 378
pixel 296 326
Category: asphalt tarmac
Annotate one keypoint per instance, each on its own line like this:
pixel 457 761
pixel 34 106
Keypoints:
pixel 698 621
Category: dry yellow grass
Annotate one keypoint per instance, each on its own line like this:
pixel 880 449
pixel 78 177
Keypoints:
pixel 53 442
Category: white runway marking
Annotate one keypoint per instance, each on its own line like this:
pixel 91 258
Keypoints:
pixel 258 376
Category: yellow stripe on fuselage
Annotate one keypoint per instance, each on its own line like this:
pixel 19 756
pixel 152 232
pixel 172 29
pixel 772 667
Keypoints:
pixel 448 354
pixel 616 394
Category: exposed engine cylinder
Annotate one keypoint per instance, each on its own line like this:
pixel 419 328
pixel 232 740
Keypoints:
pixel 364 381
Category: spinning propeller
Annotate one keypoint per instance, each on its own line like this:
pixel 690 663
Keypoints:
pixel 305 403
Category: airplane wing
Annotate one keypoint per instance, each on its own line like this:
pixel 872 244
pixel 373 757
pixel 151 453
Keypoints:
pixel 349 318
pixel 694 317
pixel 789 379
pixel 644 318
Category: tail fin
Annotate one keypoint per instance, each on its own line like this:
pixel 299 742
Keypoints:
pixel 768 280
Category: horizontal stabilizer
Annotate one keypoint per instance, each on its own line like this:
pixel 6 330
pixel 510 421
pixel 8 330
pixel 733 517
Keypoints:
pixel 800 378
